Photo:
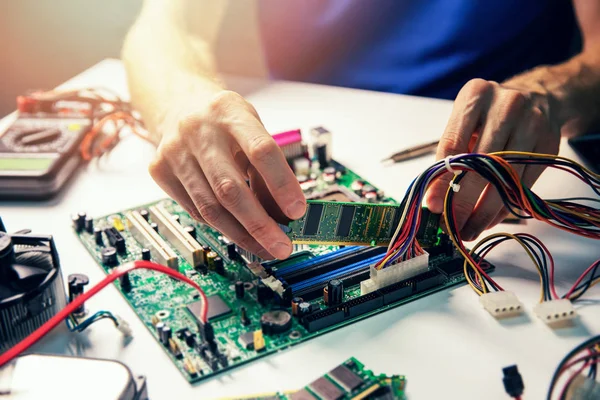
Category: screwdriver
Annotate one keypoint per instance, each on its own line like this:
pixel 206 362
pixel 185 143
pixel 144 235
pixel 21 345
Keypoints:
pixel 411 152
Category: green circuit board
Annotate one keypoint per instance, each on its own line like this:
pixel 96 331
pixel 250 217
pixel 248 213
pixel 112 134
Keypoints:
pixel 158 299
pixel 349 380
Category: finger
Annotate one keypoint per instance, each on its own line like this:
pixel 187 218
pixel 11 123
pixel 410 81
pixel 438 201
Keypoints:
pixel 268 159
pixel 490 203
pixel 232 192
pixel 464 120
pixel 170 184
pixel 504 114
pixel 262 193
pixel 500 217
pixel 209 208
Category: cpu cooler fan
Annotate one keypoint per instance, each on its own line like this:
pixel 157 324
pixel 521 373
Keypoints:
pixel 31 284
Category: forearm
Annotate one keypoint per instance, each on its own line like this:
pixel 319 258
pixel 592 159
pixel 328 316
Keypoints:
pixel 569 93
pixel 169 71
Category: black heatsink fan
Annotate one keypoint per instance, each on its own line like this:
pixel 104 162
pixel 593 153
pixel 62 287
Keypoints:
pixel 31 285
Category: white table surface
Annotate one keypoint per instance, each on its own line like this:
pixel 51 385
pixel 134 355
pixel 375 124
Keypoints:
pixel 446 344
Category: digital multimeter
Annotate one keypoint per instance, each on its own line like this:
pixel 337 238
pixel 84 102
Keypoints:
pixel 38 153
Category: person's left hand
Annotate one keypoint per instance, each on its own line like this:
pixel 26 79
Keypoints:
pixel 489 117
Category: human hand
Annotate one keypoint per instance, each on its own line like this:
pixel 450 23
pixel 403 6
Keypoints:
pixel 204 160
pixel 489 117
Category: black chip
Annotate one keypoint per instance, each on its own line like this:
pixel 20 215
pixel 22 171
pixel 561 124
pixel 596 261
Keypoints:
pixel 216 308
pixel 346 378
pixel 247 340
pixel 325 389
pixel 452 267
pixel 302 395
pixel 313 219
pixel 345 221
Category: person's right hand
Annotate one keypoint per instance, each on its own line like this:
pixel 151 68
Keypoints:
pixel 204 161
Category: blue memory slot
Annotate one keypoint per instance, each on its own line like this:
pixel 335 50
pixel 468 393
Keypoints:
pixel 314 261
pixel 333 274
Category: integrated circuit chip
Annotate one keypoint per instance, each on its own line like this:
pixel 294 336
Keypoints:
pixel 345 378
pixel 302 395
pixel 313 218
pixel 247 340
pixel 325 389
pixel 345 221
pixel 216 308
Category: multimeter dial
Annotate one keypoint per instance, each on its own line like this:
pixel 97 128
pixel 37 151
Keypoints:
pixel 40 136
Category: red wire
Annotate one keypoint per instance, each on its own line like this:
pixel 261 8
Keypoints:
pixel 570 292
pixel 72 306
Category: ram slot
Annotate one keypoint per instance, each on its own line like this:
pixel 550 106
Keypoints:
pixel 145 235
pixel 187 246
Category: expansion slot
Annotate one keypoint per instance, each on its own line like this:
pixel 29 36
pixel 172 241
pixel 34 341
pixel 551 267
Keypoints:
pixel 144 234
pixel 187 246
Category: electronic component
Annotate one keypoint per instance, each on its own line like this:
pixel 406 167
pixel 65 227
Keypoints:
pixel 276 321
pixel 259 340
pixel 247 340
pixel 345 378
pixel 154 226
pixel 244 316
pixel 118 224
pixel 326 390
pixel 335 290
pixel 555 312
pixel 115 239
pixel 165 333
pixel 31 285
pixel 144 214
pixel 290 143
pixel 190 230
pixel 295 303
pixel 263 293
pixel 394 273
pixel 219 266
pixel 125 282
pixel 109 256
pixel 146 255
pixel 304 308
pixel 147 237
pixel 98 236
pixel 501 304
pixel 301 166
pixel 513 382
pixel 89 224
pixel 189 366
pixel 331 222
pixel 239 289
pixel 186 245
pixel 217 308
pixel 188 337
pixel 174 348
pixel 77 282
pixel 427 234
pixel 210 260
pixel 321 145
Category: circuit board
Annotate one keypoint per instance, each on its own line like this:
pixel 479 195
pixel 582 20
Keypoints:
pixel 254 306
pixel 349 380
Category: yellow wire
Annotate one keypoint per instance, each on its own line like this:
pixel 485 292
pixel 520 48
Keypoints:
pixel 523 245
pixel 541 155
pixel 594 282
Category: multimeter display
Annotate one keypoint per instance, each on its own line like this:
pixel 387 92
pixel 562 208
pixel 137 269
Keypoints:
pixel 25 164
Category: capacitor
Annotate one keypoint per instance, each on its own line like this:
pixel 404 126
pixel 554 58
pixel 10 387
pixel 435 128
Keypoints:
pixel 219 266
pixel 301 166
pixel 165 333
pixel 98 236
pixel 263 293
pixel 357 186
pixel 303 308
pixel 145 214
pixel 89 224
pixel 190 230
pixel 159 327
pixel 329 175
pixel 239 289
pixel 231 251
pixel 125 282
pixel 77 282
pixel 78 224
pixel 210 259
pixel 302 178
pixel 335 289
pixel 371 197
pixel 367 188
pixel 244 316
pixel 109 256
pixel 154 226
pixel 326 296
pixel 295 302
pixel 321 153
pixel 189 338
pixel 321 136
pixel 146 255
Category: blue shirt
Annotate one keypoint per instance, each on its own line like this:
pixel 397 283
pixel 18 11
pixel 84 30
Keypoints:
pixel 421 47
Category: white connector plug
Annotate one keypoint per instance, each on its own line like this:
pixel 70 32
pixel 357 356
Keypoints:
pixel 394 273
pixel 123 327
pixel 501 304
pixel 555 311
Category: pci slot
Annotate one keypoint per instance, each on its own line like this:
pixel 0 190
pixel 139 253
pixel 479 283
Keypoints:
pixel 185 244
pixel 144 234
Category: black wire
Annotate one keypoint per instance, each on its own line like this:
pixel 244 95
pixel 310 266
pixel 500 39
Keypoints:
pixel 585 285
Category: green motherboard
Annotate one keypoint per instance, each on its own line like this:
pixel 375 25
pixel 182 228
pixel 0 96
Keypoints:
pixel 256 308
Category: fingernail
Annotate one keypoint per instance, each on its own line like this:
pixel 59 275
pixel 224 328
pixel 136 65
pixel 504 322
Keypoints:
pixel 280 250
pixel 265 255
pixel 296 210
